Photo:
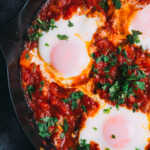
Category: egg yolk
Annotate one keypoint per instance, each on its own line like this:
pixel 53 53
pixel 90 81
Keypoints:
pixel 116 132
pixel 141 21
pixel 69 57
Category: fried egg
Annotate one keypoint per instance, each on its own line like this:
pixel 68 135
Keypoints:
pixel 117 129
pixel 141 22
pixel 70 56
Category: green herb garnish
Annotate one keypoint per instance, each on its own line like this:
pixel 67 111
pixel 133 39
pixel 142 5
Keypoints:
pixel 30 90
pixel 73 99
pixel 140 85
pixel 65 126
pixel 62 37
pixel 113 136
pixel 102 58
pixel 62 135
pixel 42 84
pixel 44 125
pixel 83 108
pixel 94 128
pixel 46 44
pixel 134 37
pixel 135 107
pixel 70 24
pixel 117 4
pixel 27 56
pixel 83 145
pixel 107 110
pixel 35 36
pixel 104 5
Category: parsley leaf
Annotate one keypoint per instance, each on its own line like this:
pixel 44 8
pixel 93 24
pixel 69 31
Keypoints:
pixel 117 4
pixel 45 124
pixel 65 126
pixel 83 145
pixel 35 36
pixel 102 58
pixel 107 110
pixel 73 99
pixel 77 95
pixel 62 37
pixel 113 136
pixel 70 24
pixel 30 90
pixel 83 108
pixel 94 128
pixel 62 135
pixel 104 5
pixel 135 107
pixel 27 56
pixel 140 85
pixel 42 84
pixel 46 44
pixel 134 37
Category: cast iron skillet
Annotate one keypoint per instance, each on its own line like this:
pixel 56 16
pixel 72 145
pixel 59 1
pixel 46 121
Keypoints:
pixel 11 45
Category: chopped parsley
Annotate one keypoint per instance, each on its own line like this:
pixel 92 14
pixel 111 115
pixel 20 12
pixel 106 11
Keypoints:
pixel 119 50
pixel 27 56
pixel 30 90
pixel 93 55
pixel 94 69
pixel 46 44
pixel 104 5
pixel 102 58
pixel 65 126
pixel 62 37
pixel 83 145
pixel 45 25
pixel 94 128
pixel 134 37
pixel 83 108
pixel 42 85
pixel 62 135
pixel 107 110
pixel 140 85
pixel 135 107
pixel 41 25
pixel 107 148
pixel 124 53
pixel 35 36
pixel 113 136
pixel 44 125
pixel 126 83
pixel 70 24
pixel 137 149
pixel 73 99
pixel 117 4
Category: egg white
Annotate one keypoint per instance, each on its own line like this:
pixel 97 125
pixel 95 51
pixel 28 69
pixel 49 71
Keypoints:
pixel 138 128
pixel 144 37
pixel 83 29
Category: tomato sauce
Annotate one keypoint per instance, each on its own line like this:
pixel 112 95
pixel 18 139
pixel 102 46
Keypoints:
pixel 132 60
pixel 48 102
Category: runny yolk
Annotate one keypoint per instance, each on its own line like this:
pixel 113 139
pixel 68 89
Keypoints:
pixel 116 132
pixel 69 57
pixel 141 21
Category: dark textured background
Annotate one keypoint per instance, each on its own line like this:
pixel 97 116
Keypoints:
pixel 11 136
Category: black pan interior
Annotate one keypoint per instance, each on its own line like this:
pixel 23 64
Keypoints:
pixel 11 45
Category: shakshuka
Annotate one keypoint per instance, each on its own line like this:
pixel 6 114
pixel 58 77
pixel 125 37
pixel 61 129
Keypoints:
pixel 85 72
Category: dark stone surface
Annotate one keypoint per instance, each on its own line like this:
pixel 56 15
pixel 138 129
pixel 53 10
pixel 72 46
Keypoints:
pixel 11 135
